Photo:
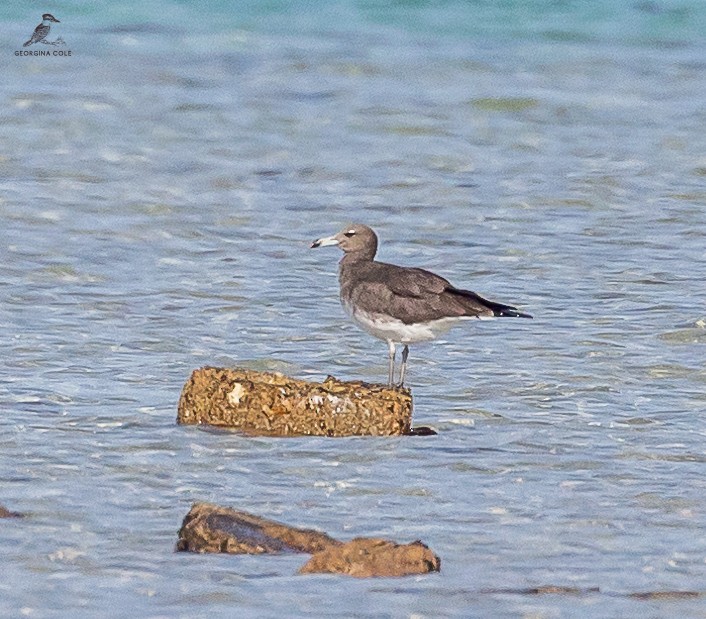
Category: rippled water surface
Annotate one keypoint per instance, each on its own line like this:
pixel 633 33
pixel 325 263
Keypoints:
pixel 158 192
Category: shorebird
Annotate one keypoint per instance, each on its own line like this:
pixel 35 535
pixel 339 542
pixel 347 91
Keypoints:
pixel 41 32
pixel 401 305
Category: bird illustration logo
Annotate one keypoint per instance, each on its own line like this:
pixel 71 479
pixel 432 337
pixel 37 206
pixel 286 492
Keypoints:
pixel 41 32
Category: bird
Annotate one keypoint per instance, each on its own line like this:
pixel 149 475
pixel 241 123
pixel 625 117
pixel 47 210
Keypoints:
pixel 401 305
pixel 41 32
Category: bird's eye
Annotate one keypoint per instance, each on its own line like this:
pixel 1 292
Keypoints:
pixel 349 234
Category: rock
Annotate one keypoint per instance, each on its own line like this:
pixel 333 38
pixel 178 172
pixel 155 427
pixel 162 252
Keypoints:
pixel 421 431
pixel 265 403
pixel 365 557
pixel 666 595
pixel 543 590
pixel 211 528
pixel 6 513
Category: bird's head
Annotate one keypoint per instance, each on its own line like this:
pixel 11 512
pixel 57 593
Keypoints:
pixel 353 238
pixel 50 17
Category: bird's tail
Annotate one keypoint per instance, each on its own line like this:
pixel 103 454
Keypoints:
pixel 481 306
pixel 27 43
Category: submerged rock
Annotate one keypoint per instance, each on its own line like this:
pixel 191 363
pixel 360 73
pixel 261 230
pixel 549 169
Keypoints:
pixel 6 513
pixel 266 403
pixel 211 528
pixel 366 557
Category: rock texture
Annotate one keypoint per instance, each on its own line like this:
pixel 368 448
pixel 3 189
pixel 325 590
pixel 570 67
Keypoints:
pixel 6 513
pixel 265 403
pixel 365 557
pixel 211 528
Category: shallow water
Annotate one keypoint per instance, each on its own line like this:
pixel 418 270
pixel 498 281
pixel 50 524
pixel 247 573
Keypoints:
pixel 158 191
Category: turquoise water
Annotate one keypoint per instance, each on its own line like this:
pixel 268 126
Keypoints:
pixel 158 192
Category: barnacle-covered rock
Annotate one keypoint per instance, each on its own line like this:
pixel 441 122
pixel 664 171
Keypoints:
pixel 272 404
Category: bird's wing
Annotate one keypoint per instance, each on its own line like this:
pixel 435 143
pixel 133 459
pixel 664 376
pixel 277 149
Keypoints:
pixel 33 38
pixel 439 293
pixel 408 294
pixel 412 282
pixel 40 32
pixel 479 306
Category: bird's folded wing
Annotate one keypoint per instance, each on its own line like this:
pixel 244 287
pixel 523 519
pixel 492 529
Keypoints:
pixel 416 296
pixel 411 282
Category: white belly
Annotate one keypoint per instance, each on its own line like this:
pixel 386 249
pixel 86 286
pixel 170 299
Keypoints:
pixel 393 330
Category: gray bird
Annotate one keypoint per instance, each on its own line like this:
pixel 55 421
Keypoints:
pixel 401 305
pixel 41 32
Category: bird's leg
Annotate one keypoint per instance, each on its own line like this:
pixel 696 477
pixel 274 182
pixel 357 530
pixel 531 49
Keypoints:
pixel 405 354
pixel 391 364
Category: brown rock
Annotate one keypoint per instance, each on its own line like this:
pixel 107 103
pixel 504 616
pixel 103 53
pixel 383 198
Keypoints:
pixel 366 557
pixel 210 528
pixel 6 513
pixel 272 404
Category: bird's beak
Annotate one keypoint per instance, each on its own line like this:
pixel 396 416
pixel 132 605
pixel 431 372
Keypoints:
pixel 56 20
pixel 329 240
